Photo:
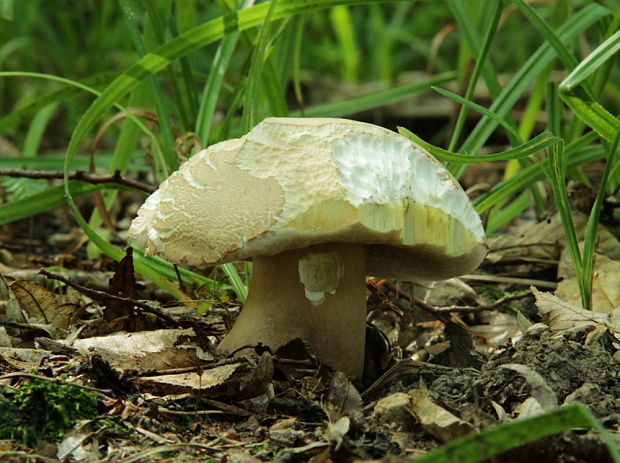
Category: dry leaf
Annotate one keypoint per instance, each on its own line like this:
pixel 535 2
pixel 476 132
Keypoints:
pixel 44 307
pixel 436 420
pixel 539 388
pixel 147 350
pixel 605 283
pixel 238 381
pixel 343 399
pixel 561 316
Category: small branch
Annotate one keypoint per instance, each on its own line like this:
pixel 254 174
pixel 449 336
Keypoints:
pixel 95 293
pixel 456 308
pixel 483 308
pixel 19 374
pixel 116 177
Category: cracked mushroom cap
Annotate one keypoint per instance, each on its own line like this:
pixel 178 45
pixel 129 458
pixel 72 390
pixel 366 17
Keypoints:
pixel 296 182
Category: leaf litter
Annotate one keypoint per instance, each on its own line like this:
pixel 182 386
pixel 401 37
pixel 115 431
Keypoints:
pixel 443 360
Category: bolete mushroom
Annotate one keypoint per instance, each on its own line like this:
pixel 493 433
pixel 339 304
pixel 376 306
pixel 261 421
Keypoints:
pixel 317 204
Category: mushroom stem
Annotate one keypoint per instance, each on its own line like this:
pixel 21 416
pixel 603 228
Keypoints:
pixel 316 294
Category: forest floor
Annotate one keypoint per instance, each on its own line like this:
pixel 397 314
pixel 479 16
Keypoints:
pixel 442 360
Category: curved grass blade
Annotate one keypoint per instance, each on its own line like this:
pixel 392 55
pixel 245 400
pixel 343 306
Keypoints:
pixel 524 150
pixel 526 177
pixel 481 446
pixel 80 86
pixel 45 200
pixel 481 109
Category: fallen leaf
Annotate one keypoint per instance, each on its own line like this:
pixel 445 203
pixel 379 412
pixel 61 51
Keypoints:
pixel 561 316
pixel 605 282
pixel 436 420
pixel 241 380
pixel 44 307
pixel 539 388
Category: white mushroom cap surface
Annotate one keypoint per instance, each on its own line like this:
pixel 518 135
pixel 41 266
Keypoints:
pixel 291 183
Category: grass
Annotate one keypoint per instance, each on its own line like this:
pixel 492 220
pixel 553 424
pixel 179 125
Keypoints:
pixel 212 70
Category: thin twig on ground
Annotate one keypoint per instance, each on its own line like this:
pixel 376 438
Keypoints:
pixel 456 308
pixel 116 177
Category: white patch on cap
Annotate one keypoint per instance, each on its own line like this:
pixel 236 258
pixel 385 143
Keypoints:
pixel 384 169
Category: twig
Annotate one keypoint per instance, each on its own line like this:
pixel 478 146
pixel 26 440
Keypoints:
pixel 19 374
pixel 95 293
pixel 483 308
pixel 116 177
pixel 456 308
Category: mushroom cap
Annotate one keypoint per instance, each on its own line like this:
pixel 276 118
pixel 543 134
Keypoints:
pixel 296 182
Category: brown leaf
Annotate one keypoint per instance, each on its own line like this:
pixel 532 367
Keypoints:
pixel 122 283
pixel 343 399
pixel 43 306
pixel 241 380
pixel 561 316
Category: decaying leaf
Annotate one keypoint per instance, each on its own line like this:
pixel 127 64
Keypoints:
pixel 122 283
pixel 146 350
pixel 561 316
pixel 436 420
pixel 343 399
pixel 605 282
pixel 395 409
pixel 539 388
pixel 42 306
pixel 240 380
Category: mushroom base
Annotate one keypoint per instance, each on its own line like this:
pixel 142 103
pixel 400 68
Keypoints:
pixel 317 294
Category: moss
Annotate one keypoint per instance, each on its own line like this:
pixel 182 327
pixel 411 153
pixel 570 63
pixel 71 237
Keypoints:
pixel 43 410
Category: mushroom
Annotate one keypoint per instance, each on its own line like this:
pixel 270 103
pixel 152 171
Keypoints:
pixel 317 204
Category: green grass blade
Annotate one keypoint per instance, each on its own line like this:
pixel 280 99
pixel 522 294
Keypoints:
pixel 592 62
pixel 584 106
pixel 547 33
pixel 375 99
pixel 541 58
pixel 156 12
pixel 212 88
pixel 481 446
pixel 345 34
pixel 469 32
pixel 481 59
pixel 81 86
pixel 501 216
pixel 235 279
pixel 36 129
pixel 250 116
pixel 482 110
pixel 172 163
pixel 590 236
pixel 591 112
pixel 524 150
pixel 528 176
pixel 55 96
pixel 556 173
pixel 45 200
